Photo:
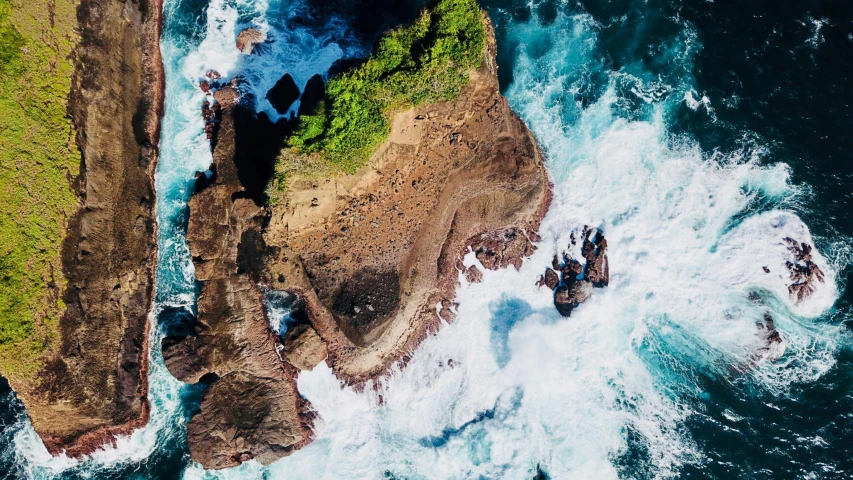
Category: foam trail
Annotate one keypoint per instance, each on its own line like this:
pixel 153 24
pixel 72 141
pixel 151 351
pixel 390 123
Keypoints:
pixel 511 385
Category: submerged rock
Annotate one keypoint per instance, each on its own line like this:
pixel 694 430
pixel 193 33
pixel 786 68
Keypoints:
pixel 248 38
pixel 773 345
pixel 283 94
pixel 567 297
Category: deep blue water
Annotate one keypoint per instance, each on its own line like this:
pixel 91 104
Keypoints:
pixel 760 88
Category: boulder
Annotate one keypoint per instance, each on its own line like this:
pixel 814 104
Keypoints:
pixel 567 297
pixel 596 261
pixel 283 94
pixel 303 348
pixel 248 38
pixel 803 271
pixel 551 279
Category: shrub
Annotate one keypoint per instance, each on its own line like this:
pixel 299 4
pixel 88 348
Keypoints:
pixel 425 61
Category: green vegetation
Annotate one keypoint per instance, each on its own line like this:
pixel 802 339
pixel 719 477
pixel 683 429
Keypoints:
pixel 426 61
pixel 38 158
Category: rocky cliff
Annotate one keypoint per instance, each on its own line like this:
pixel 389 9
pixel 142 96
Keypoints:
pixel 92 383
pixel 372 258
pixel 252 409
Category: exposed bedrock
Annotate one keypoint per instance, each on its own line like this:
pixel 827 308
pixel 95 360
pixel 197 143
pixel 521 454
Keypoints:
pixel 303 347
pixel 572 281
pixel 804 273
pixel 248 38
pixel 91 384
pixel 370 255
pixel 251 409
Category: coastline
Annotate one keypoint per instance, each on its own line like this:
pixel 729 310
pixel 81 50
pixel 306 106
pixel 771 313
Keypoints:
pixel 153 87
pixel 453 228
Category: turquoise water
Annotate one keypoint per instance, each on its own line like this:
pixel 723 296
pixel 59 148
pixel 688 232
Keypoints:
pixel 696 135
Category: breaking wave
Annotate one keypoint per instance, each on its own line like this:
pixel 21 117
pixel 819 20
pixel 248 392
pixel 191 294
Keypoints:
pixel 511 388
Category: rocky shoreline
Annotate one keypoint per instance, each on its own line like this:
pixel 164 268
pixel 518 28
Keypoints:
pixel 370 256
pixel 94 384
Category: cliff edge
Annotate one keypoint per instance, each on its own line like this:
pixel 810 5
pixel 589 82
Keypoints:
pixel 372 256
pixel 90 381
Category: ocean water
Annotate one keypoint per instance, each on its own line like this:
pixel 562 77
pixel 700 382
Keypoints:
pixel 695 134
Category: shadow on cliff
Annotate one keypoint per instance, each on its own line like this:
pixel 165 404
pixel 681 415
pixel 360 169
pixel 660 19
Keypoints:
pixel 257 143
pixel 367 18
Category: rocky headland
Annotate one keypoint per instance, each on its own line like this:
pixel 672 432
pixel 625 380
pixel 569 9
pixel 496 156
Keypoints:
pixel 91 383
pixel 371 255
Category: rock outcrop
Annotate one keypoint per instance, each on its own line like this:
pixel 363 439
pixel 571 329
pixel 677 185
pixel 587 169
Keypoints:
pixel 248 38
pixel 370 256
pixel 252 409
pixel 312 95
pixel 575 282
pixel 92 383
pixel 303 348
pixel 803 271
pixel 283 94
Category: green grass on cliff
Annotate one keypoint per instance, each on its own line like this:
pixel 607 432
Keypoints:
pixel 38 158
pixel 425 61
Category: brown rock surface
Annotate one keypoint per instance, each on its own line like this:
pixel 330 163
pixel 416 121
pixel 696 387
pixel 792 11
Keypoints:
pixel 577 280
pixel 248 38
pixel 374 253
pixel 252 409
pixel 371 255
pixel 303 348
pixel 92 385
pixel 803 271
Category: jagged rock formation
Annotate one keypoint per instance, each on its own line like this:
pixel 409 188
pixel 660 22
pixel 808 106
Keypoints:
pixel 303 348
pixel 248 38
pixel 92 385
pixel 370 255
pixel 804 272
pixel 252 408
pixel 575 281
pixel 283 94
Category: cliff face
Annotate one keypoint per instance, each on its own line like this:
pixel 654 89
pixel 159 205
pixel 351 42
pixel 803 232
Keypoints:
pixel 369 256
pixel 373 254
pixel 93 383
pixel 252 409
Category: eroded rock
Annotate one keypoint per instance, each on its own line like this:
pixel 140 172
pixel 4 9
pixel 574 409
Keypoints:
pixel 303 347
pixel 252 409
pixel 803 271
pixel 248 38
pixel 283 94
pixel 576 280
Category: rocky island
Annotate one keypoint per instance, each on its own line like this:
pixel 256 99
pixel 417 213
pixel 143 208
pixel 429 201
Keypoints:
pixel 406 162
pixel 81 94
